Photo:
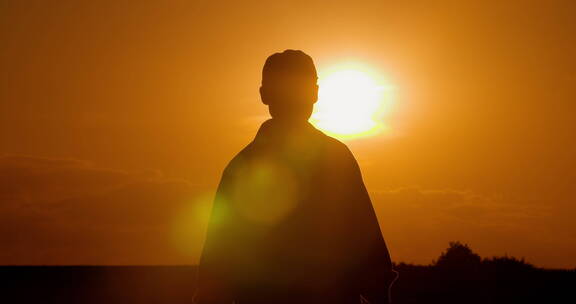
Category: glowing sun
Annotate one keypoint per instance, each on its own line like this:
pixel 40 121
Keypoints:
pixel 352 101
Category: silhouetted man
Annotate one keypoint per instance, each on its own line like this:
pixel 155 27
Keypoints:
pixel 292 221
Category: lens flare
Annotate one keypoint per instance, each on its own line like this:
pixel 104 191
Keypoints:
pixel 267 193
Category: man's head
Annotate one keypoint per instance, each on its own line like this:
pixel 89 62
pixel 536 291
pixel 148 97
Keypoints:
pixel 289 85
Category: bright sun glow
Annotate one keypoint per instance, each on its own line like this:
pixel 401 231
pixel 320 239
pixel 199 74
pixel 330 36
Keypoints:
pixel 352 101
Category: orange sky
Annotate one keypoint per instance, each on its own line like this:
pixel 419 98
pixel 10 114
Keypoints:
pixel 117 118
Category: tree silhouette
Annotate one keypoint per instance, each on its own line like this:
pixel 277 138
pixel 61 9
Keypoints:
pixel 458 258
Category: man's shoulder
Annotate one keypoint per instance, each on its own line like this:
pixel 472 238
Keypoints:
pixel 332 151
pixel 335 147
pixel 240 158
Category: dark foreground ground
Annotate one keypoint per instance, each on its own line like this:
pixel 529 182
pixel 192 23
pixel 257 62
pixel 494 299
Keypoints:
pixel 175 284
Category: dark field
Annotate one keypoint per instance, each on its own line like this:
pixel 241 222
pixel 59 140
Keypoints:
pixel 175 284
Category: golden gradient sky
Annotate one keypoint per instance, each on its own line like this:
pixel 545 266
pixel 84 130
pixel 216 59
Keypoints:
pixel 117 118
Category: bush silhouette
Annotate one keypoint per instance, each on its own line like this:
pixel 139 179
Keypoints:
pixel 507 264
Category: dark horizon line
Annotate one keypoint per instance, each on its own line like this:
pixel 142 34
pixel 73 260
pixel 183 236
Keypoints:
pixel 196 265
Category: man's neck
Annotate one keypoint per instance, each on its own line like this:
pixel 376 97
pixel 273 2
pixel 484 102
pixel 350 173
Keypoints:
pixel 280 127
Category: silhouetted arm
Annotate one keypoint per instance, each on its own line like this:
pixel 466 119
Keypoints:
pixel 214 285
pixel 374 269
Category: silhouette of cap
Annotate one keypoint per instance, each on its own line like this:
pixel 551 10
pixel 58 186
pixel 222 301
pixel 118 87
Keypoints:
pixel 288 64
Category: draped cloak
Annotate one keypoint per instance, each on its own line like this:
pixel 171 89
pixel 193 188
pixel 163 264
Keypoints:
pixel 292 222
